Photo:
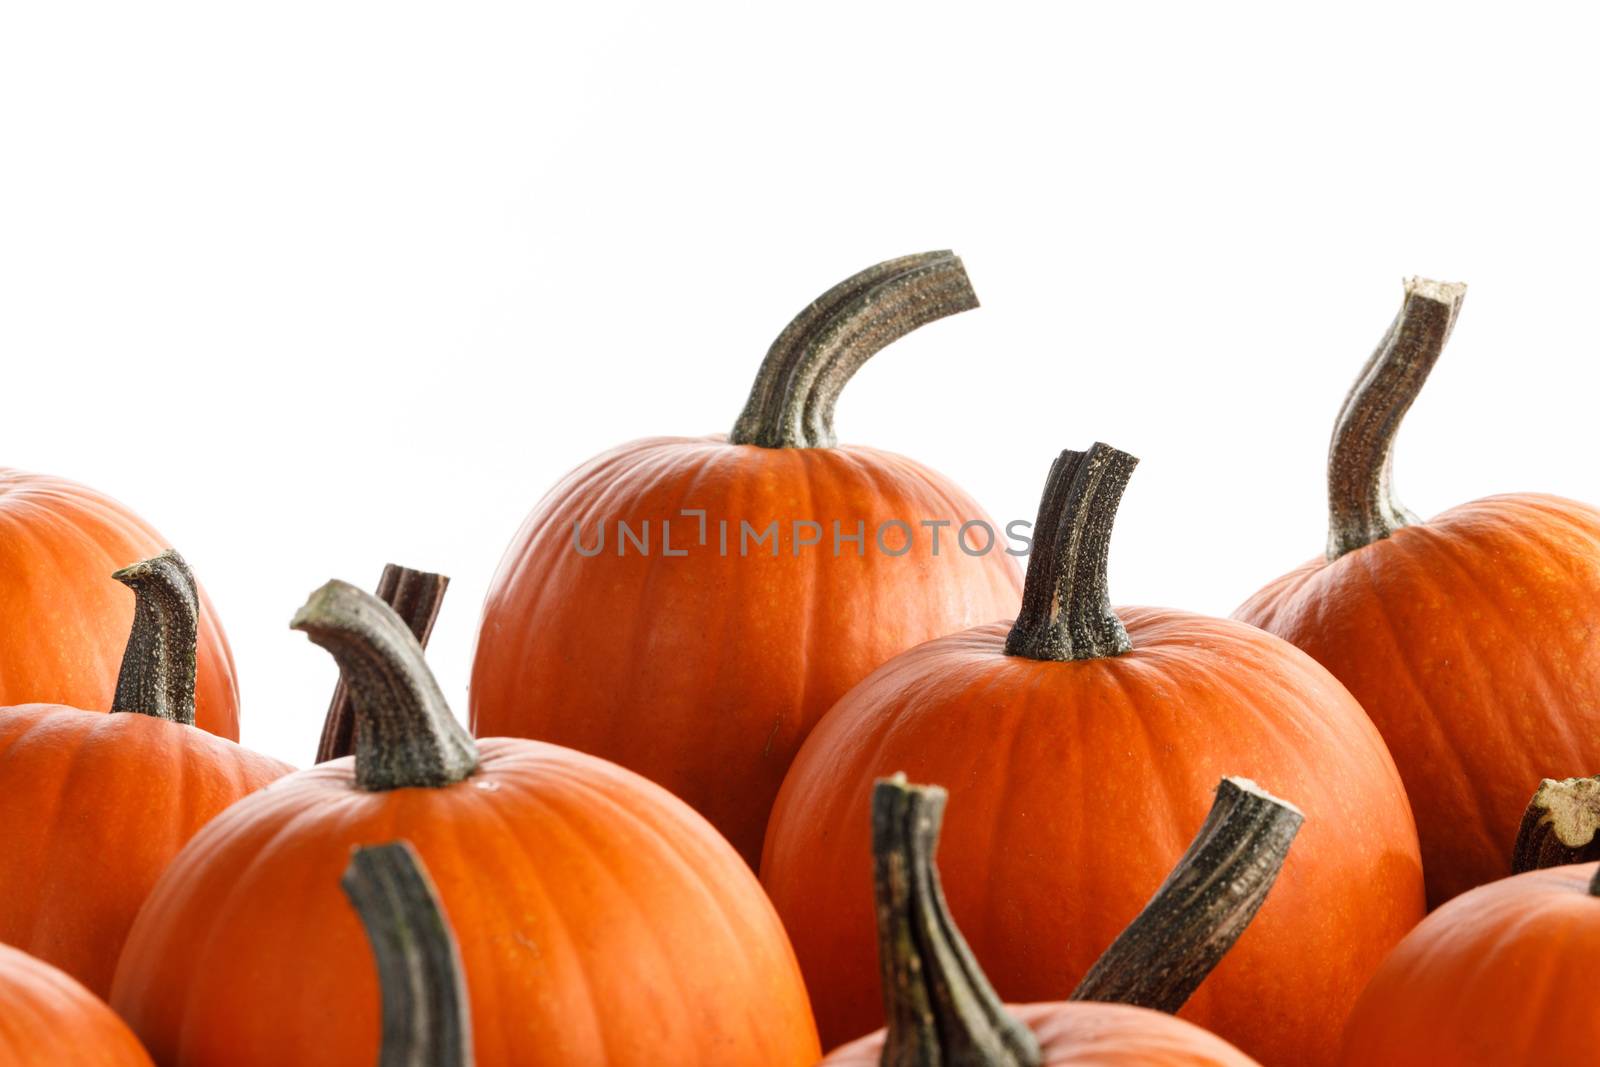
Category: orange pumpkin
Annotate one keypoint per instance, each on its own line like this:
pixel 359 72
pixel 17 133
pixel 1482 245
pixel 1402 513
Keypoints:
pixel 49 1020
pixel 62 625
pixel 703 661
pixel 1080 743
pixel 1493 978
pixel 601 919
pixel 942 1010
pixel 1467 638
pixel 93 806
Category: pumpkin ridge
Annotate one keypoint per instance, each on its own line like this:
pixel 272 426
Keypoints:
pixel 1442 740
pixel 1487 811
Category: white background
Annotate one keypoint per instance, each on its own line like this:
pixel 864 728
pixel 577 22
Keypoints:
pixel 314 286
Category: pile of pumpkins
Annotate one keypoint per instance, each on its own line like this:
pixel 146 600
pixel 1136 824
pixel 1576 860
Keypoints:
pixel 699 816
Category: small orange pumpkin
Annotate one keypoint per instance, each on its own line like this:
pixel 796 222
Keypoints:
pixel 62 625
pixel 704 661
pixel 1095 737
pixel 93 806
pixel 1495 977
pixel 942 1010
pixel 1468 638
pixel 601 919
pixel 47 1019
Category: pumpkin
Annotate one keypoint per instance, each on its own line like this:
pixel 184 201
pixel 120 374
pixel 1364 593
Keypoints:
pixel 1495 977
pixel 1081 742
pixel 1467 638
pixel 942 1010
pixel 601 919
pixel 416 597
pixel 62 625
pixel 424 1016
pixel 93 806
pixel 48 1019
pixel 703 657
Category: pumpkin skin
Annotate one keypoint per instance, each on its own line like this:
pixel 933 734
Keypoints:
pixel 1467 638
pixel 62 624
pixel 47 1019
pixel 1105 765
pixel 92 809
pixel 1086 1034
pixel 705 672
pixel 93 806
pixel 599 918
pixel 1494 978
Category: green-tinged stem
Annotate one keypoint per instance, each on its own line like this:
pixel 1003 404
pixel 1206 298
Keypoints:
pixel 426 1022
pixel 405 734
pixel 158 664
pixel 941 1010
pixel 1066 608
pixel 1559 825
pixel 416 597
pixel 1203 906
pixel 792 401
pixel 1362 506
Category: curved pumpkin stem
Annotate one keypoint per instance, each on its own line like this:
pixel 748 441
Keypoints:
pixel 158 664
pixel 416 597
pixel 791 403
pixel 1559 825
pixel 405 734
pixel 1204 905
pixel 425 1017
pixel 1066 609
pixel 1362 507
pixel 940 1007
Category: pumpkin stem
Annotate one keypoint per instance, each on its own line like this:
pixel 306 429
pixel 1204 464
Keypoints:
pixel 424 995
pixel 791 404
pixel 405 734
pixel 416 597
pixel 1066 611
pixel 940 1007
pixel 157 675
pixel 1202 907
pixel 1559 825
pixel 1362 506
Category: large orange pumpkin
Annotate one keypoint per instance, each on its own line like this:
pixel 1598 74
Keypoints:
pixel 1469 638
pixel 1496 977
pixel 47 1019
pixel 62 625
pixel 703 660
pixel 93 806
pixel 942 1010
pixel 600 918
pixel 1081 743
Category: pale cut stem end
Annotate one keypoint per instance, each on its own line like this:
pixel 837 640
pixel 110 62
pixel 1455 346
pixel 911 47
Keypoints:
pixel 1559 825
